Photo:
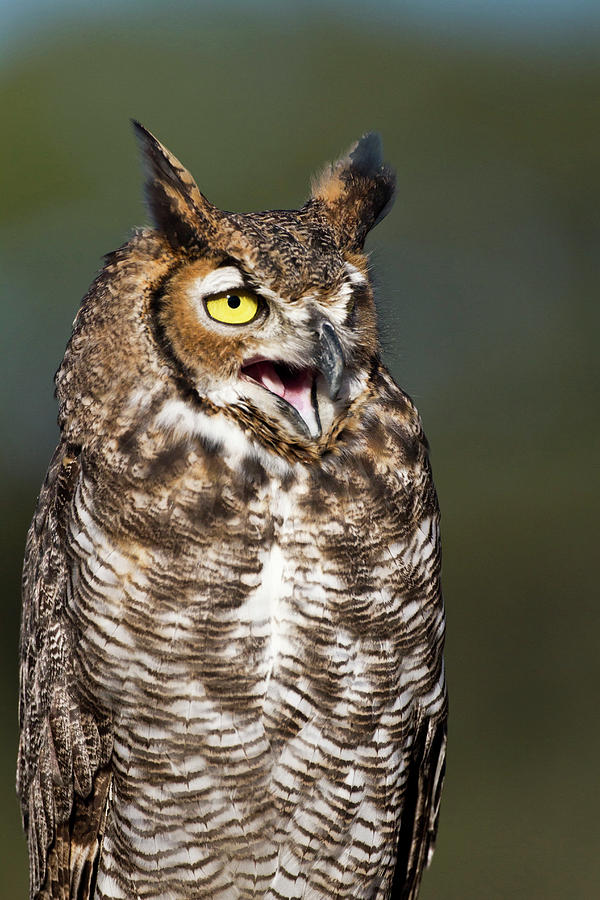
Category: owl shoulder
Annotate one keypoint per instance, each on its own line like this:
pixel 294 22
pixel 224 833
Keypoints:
pixel 394 433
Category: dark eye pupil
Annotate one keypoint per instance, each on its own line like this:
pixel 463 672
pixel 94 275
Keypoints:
pixel 233 302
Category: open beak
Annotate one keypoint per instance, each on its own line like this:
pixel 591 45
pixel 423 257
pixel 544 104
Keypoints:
pixel 298 386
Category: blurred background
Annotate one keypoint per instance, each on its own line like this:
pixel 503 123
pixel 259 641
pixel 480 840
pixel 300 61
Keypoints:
pixel 487 279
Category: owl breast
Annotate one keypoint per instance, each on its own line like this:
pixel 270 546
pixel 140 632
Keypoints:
pixel 254 657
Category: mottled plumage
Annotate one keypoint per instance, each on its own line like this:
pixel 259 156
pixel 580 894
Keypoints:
pixel 231 660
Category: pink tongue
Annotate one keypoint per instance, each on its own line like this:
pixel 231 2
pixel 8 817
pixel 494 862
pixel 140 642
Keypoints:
pixel 296 390
pixel 265 374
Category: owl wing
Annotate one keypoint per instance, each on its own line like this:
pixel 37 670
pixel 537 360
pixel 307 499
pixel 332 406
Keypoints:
pixel 421 810
pixel 62 774
pixel 421 565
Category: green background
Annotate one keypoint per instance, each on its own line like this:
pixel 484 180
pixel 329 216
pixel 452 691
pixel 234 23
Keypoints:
pixel 487 279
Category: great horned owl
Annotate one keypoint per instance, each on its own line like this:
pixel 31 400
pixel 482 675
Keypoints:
pixel 232 682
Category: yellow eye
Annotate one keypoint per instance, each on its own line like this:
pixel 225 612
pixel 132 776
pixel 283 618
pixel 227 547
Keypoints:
pixel 236 308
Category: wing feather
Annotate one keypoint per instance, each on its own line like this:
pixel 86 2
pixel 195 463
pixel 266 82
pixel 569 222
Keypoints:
pixel 421 810
pixel 62 775
pixel 422 570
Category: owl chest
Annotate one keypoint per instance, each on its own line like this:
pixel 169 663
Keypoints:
pixel 248 604
pixel 244 656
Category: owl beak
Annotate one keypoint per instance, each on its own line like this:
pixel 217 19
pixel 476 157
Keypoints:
pixel 298 386
pixel 330 358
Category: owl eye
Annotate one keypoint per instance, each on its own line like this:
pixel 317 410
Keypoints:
pixel 238 308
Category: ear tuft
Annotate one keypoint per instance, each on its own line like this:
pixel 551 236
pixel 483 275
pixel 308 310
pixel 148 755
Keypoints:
pixel 176 206
pixel 367 154
pixel 357 191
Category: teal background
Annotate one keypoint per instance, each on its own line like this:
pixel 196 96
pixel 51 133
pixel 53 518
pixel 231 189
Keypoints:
pixel 487 279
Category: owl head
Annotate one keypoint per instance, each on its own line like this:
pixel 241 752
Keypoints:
pixel 265 317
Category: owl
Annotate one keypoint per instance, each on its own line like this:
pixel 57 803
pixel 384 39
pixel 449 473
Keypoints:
pixel 232 682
